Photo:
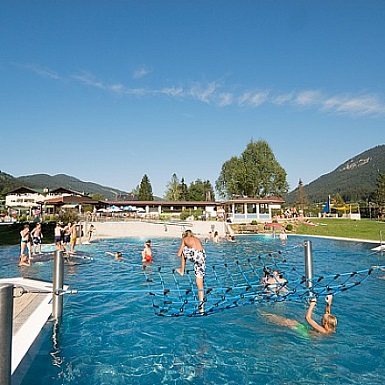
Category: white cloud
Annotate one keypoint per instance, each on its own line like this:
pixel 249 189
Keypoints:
pixel 225 99
pixel 118 88
pixel 307 98
pixel 204 93
pixel 141 73
pixel 41 71
pixel 253 99
pixel 172 91
pixel 281 99
pixel 355 105
pixel 216 94
pixel 89 80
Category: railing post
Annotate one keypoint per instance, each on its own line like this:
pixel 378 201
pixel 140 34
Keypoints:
pixel 309 273
pixel 6 319
pixel 57 285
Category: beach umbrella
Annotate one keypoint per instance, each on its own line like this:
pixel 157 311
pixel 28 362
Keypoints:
pixel 114 209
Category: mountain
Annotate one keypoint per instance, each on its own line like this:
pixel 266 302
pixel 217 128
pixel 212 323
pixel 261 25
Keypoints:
pixel 41 181
pixel 354 180
pixel 8 182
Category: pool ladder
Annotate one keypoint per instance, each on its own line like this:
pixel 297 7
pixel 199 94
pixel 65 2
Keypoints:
pixel 382 243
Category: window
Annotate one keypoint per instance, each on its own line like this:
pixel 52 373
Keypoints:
pixel 263 208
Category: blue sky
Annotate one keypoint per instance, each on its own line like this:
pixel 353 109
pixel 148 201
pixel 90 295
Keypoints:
pixel 107 91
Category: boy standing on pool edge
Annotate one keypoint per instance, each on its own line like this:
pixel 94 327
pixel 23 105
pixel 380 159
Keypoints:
pixel 191 248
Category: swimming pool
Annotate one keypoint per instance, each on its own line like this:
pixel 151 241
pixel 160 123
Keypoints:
pixel 115 338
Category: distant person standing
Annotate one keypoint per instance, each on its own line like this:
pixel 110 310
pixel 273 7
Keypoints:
pixel 58 237
pixel 26 241
pixel 89 232
pixel 74 236
pixel 37 236
pixel 66 234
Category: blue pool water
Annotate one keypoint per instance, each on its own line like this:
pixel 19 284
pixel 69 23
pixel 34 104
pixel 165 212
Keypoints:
pixel 115 338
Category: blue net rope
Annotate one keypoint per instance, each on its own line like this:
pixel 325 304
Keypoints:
pixel 242 282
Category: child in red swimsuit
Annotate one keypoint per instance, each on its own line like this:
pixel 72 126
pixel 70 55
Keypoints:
pixel 147 252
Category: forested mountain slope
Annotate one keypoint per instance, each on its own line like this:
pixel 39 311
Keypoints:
pixel 354 180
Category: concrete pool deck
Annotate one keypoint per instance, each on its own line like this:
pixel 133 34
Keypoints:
pixel 155 229
pixel 144 229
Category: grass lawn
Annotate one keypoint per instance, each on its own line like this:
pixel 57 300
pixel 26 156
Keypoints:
pixel 364 229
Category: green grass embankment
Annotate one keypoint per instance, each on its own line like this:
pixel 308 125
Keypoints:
pixel 364 229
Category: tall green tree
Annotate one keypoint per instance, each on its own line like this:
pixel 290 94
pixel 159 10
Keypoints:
pixel 380 193
pixel 173 192
pixel 256 173
pixel 301 199
pixel 145 190
pixel 183 190
pixel 200 191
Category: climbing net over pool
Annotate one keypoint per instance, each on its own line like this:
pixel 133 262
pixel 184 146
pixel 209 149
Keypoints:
pixel 242 282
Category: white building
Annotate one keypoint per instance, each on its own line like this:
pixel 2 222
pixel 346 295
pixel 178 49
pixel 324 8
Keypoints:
pixel 23 198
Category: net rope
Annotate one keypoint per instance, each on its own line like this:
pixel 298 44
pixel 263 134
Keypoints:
pixel 242 282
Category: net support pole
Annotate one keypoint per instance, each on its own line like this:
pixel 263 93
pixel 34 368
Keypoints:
pixel 6 318
pixel 58 273
pixel 309 272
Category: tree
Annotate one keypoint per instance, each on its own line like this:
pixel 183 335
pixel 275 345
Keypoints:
pixel 256 173
pixel 301 198
pixel 183 190
pixel 338 200
pixel 173 192
pixel 145 190
pixel 133 194
pixel 98 197
pixel 200 191
pixel 380 193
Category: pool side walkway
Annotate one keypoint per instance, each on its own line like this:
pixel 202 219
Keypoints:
pixel 32 308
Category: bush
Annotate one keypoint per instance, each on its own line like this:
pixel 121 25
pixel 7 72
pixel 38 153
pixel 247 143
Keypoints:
pixel 69 216
pixel 254 222
pixel 289 227
pixel 187 213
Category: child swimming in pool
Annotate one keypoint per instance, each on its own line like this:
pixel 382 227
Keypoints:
pixel 24 260
pixel 328 323
pixel 118 255
pixel 274 281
